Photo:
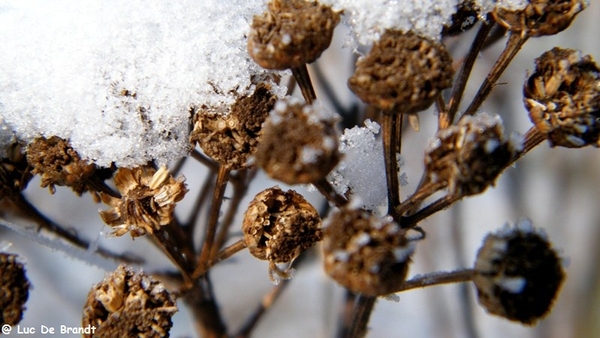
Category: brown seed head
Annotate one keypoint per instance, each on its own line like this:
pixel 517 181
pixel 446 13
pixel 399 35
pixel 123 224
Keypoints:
pixel 147 202
pixel 299 143
pixel 466 16
pixel 59 164
pixel 291 33
pixel 518 274
pixel 230 138
pixel 279 225
pixel 15 172
pixel 563 98
pixel 129 304
pixel 14 289
pixel 470 155
pixel 540 17
pixel 403 73
pixel 365 253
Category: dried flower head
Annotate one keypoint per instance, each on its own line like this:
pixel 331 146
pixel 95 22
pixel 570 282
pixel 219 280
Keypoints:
pixel 231 137
pixel 563 98
pixel 129 304
pixel 470 155
pixel 14 289
pixel 299 143
pixel 59 164
pixel 147 202
pixel 365 253
pixel 279 225
pixel 518 273
pixel 465 18
pixel 540 17
pixel 403 72
pixel 15 172
pixel 291 33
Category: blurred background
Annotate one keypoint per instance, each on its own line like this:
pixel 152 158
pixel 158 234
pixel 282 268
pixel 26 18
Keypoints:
pixel 555 187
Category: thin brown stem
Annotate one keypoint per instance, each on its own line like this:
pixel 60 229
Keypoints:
pixel 209 322
pixel 425 190
pixel 215 208
pixel 223 255
pixel 345 316
pixel 303 79
pixel 392 126
pixel 332 196
pixel 463 76
pixel 438 278
pixel 240 184
pixel 362 314
pixel 441 204
pixel 515 41
pixel 173 250
pixel 190 223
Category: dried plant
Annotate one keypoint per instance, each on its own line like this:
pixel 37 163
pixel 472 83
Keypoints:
pixel 212 109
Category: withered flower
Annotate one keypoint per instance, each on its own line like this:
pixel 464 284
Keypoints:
pixel 230 137
pixel 299 143
pixel 147 202
pixel 365 253
pixel 470 155
pixel 59 164
pixel 518 273
pixel 563 98
pixel 14 289
pixel 540 17
pixel 279 225
pixel 402 73
pixel 15 172
pixel 291 33
pixel 129 304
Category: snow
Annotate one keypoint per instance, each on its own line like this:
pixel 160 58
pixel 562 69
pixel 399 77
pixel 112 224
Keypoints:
pixel 368 19
pixel 119 78
pixel 362 169
pixel 512 284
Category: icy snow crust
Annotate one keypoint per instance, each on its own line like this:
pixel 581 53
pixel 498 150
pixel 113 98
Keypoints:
pixel 118 78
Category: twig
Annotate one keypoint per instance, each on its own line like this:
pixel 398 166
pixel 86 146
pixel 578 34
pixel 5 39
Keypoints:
pixel 345 316
pixel 392 129
pixel 362 314
pixel 332 196
pixel 215 209
pixel 515 41
pixel 303 79
pixel 438 278
pixel 445 120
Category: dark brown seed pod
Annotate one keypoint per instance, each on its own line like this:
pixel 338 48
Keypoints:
pixel 59 164
pixel 563 98
pixel 518 273
pixel 466 16
pixel 540 17
pixel 15 172
pixel 279 225
pixel 291 33
pixel 14 289
pixel 231 137
pixel 128 304
pixel 470 155
pixel 403 73
pixel 365 253
pixel 299 143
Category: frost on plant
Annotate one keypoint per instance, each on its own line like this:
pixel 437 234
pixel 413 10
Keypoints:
pixel 120 86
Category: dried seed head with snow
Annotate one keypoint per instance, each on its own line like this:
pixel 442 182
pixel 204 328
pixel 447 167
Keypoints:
pixel 129 304
pixel 540 17
pixel 365 253
pixel 299 143
pixel 279 225
pixel 230 137
pixel 403 72
pixel 147 202
pixel 469 156
pixel 291 33
pixel 563 98
pixel 518 273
